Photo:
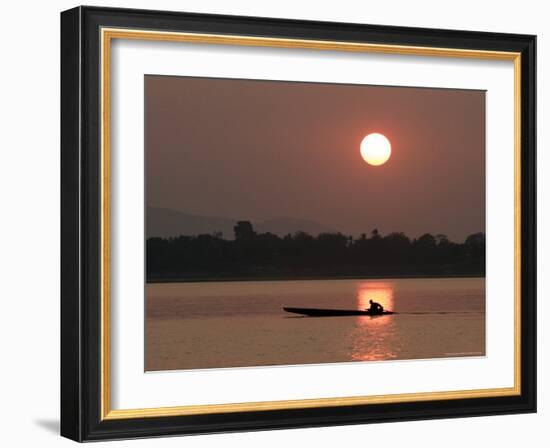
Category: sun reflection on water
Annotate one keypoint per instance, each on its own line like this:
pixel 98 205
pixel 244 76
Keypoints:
pixel 374 338
pixel 381 292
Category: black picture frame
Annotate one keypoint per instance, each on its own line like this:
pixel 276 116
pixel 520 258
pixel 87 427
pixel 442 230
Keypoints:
pixel 81 414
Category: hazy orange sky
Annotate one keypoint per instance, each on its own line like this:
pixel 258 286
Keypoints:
pixel 258 150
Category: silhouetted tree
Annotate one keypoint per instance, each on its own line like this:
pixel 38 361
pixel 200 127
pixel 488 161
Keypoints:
pixel 243 230
pixel 475 250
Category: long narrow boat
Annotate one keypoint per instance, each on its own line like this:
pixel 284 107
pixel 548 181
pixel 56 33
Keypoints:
pixel 324 312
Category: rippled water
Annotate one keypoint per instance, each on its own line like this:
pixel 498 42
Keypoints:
pixel 235 324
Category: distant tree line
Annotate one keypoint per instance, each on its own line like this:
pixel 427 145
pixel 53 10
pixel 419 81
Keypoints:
pixel 253 255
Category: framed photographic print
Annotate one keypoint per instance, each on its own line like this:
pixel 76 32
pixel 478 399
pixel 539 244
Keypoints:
pixel 273 223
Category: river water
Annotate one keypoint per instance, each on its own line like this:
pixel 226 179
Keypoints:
pixel 237 324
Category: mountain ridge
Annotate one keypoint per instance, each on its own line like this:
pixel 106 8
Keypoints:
pixel 165 222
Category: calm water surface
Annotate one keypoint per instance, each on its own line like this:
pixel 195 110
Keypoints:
pixel 236 324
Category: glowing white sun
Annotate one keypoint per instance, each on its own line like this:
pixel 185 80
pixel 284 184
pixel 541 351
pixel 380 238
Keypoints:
pixel 375 149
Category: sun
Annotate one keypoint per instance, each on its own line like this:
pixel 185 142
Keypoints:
pixel 375 149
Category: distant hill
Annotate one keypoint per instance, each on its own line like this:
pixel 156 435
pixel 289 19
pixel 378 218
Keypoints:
pixel 164 222
pixel 284 226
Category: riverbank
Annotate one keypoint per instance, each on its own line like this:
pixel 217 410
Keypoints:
pixel 311 277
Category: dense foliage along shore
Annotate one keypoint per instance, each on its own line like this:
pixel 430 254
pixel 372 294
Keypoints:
pixel 251 255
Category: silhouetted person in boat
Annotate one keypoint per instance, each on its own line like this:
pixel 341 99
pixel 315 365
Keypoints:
pixel 375 308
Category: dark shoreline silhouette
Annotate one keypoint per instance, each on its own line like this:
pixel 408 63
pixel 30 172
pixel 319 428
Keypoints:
pixel 266 256
pixel 310 277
